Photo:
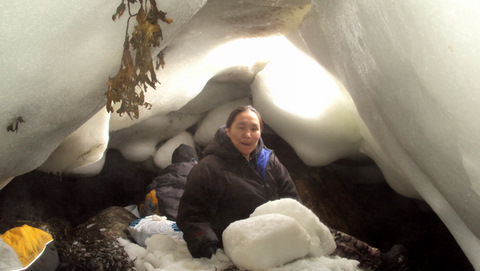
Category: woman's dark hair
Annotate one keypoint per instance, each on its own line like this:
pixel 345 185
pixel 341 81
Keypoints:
pixel 241 109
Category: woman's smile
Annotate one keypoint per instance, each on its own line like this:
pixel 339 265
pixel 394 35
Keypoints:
pixel 245 132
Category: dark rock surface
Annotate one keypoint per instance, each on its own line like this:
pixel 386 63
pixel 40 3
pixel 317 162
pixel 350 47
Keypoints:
pixel 85 216
pixel 94 244
pixel 344 198
pixel 37 195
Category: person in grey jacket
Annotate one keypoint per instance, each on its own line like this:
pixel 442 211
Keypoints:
pixel 165 191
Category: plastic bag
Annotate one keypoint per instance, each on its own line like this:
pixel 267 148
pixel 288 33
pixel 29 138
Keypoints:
pixel 145 227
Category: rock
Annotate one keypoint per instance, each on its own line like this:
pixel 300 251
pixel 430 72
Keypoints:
pixel 94 244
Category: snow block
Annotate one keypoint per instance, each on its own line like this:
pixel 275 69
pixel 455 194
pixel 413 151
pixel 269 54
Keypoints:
pixel 265 241
pixel 321 240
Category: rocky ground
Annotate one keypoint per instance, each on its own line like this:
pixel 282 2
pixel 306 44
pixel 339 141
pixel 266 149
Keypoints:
pixel 340 194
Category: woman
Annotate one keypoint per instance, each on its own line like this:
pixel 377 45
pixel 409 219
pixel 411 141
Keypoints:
pixel 237 174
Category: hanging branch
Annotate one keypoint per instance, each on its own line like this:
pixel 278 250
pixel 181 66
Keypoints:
pixel 140 72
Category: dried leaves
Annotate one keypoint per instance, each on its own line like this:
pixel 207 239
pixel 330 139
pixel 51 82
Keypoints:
pixel 140 71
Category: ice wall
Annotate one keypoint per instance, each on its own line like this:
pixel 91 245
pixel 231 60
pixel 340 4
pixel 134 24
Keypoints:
pixel 56 58
pixel 411 70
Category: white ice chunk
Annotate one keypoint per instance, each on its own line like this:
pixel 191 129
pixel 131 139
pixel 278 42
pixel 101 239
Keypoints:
pixel 83 147
pixel 320 264
pixel 133 250
pixel 321 240
pixel 416 88
pixel 138 142
pixel 163 156
pixel 88 170
pixel 265 241
pixel 307 107
pixel 165 253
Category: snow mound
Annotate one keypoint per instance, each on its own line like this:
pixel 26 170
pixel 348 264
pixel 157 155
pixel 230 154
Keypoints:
pixel 265 241
pixel 321 240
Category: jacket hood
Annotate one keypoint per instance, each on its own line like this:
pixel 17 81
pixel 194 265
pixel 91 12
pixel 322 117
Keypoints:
pixel 184 153
pixel 222 146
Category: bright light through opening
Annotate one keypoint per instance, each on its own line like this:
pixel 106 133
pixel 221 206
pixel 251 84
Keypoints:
pixel 294 81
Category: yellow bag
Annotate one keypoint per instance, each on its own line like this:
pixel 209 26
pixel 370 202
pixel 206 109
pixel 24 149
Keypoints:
pixel 30 244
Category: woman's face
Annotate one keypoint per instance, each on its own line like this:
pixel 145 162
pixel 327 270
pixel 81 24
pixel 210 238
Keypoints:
pixel 245 132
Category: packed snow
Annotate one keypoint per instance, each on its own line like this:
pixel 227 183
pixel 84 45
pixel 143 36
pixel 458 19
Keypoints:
pixel 268 240
pixel 321 240
pixel 396 81
pixel 259 242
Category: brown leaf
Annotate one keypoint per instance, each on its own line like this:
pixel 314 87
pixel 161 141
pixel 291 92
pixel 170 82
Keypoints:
pixel 120 11
pixel 160 60
pixel 163 17
pixel 122 88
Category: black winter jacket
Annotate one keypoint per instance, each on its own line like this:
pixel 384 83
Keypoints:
pixel 224 187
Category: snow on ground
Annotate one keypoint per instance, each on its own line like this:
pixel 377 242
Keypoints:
pixel 268 240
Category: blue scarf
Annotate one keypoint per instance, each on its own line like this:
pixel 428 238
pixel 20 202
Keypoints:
pixel 262 160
